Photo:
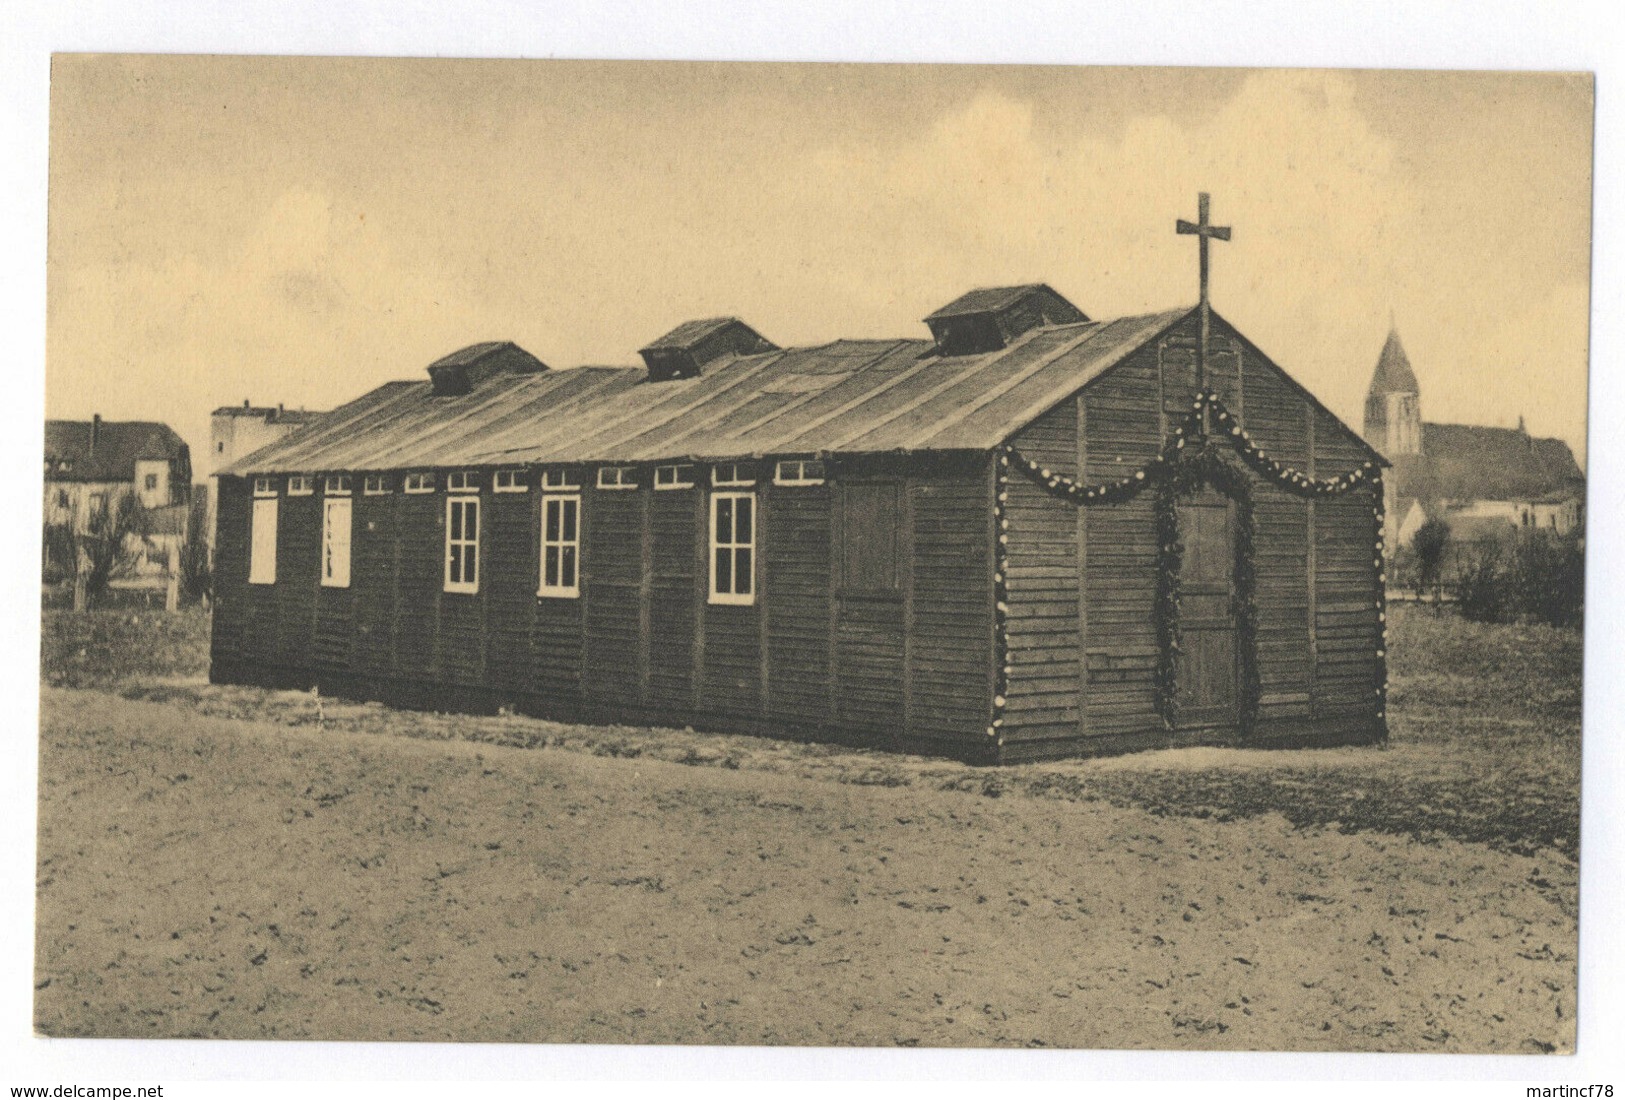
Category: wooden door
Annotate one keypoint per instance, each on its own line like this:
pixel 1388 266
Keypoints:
pixel 1206 673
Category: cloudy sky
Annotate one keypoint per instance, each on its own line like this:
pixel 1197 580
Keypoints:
pixel 301 230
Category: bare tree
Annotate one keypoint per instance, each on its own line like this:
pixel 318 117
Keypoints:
pixel 111 542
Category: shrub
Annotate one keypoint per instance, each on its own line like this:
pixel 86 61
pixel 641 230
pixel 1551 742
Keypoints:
pixel 196 579
pixel 1536 577
pixel 1429 543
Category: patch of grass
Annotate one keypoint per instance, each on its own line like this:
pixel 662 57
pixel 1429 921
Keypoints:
pixel 110 648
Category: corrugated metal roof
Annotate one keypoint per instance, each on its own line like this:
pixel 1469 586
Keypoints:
pixel 473 353
pixel 986 299
pixel 852 396
pixel 690 333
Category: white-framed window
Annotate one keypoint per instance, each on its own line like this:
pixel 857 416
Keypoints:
pixel 733 473
pixel 462 544
pixel 336 485
pixel 509 481
pixel 301 485
pixel 799 471
pixel 375 485
pixel 560 479
pixel 420 483
pixel 617 477
pixel 677 476
pixel 265 487
pixel 733 548
pixel 464 481
pixel 561 547
pixel 262 542
pixel 336 541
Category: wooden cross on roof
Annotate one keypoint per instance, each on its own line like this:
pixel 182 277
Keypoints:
pixel 1202 231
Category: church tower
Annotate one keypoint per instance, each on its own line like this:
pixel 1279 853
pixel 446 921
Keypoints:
pixel 1393 405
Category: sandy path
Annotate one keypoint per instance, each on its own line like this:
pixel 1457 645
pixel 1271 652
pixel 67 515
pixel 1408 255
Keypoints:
pixel 204 877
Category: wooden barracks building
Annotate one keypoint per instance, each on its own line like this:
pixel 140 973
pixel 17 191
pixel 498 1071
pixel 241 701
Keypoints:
pixel 1032 535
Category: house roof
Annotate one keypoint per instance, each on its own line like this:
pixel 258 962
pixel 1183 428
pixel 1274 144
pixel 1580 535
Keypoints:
pixel 119 445
pixel 844 397
pixel 1473 462
pixel 987 299
pixel 689 333
pixel 268 412
pixel 1393 373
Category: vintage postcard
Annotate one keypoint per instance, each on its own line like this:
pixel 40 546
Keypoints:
pixel 813 555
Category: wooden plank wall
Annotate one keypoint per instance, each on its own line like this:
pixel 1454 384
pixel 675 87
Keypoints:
pixel 950 605
pixel 374 565
pixel 611 593
pixel 228 637
pixel 1316 642
pixel 797 559
pixel 677 555
pixel 642 643
pixel 298 535
pixel 1043 700
pixel 509 550
pixel 1347 630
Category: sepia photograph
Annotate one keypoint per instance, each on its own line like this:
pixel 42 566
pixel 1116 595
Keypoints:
pixel 813 555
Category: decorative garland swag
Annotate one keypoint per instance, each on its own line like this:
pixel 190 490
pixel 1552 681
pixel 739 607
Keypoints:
pixel 1190 461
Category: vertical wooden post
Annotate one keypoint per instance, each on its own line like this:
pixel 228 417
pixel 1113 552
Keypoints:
pixel 81 560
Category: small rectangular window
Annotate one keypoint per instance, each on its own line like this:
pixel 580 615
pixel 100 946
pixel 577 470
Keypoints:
pixel 375 485
pixel 337 485
pixel 733 473
pixel 301 486
pixel 561 547
pixel 674 477
pixel 560 479
pixel 262 543
pixel 733 548
pixel 152 482
pixel 462 544
pixel 336 541
pixel 799 471
pixel 462 482
pixel 510 481
pixel 617 477
pixel 264 487
pixel 420 483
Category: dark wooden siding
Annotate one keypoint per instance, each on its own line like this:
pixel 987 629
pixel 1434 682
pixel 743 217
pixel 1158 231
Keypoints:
pixel 612 593
pixel 950 606
pixel 233 614
pixel 298 537
pixel 421 536
pixel 1123 417
pixel 906 660
pixel 509 551
pixel 1316 582
pixel 1043 700
pixel 676 592
pixel 871 534
pixel 797 559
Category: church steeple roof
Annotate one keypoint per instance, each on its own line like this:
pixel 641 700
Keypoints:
pixel 1393 373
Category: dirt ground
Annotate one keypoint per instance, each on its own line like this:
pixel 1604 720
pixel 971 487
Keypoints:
pixel 256 877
